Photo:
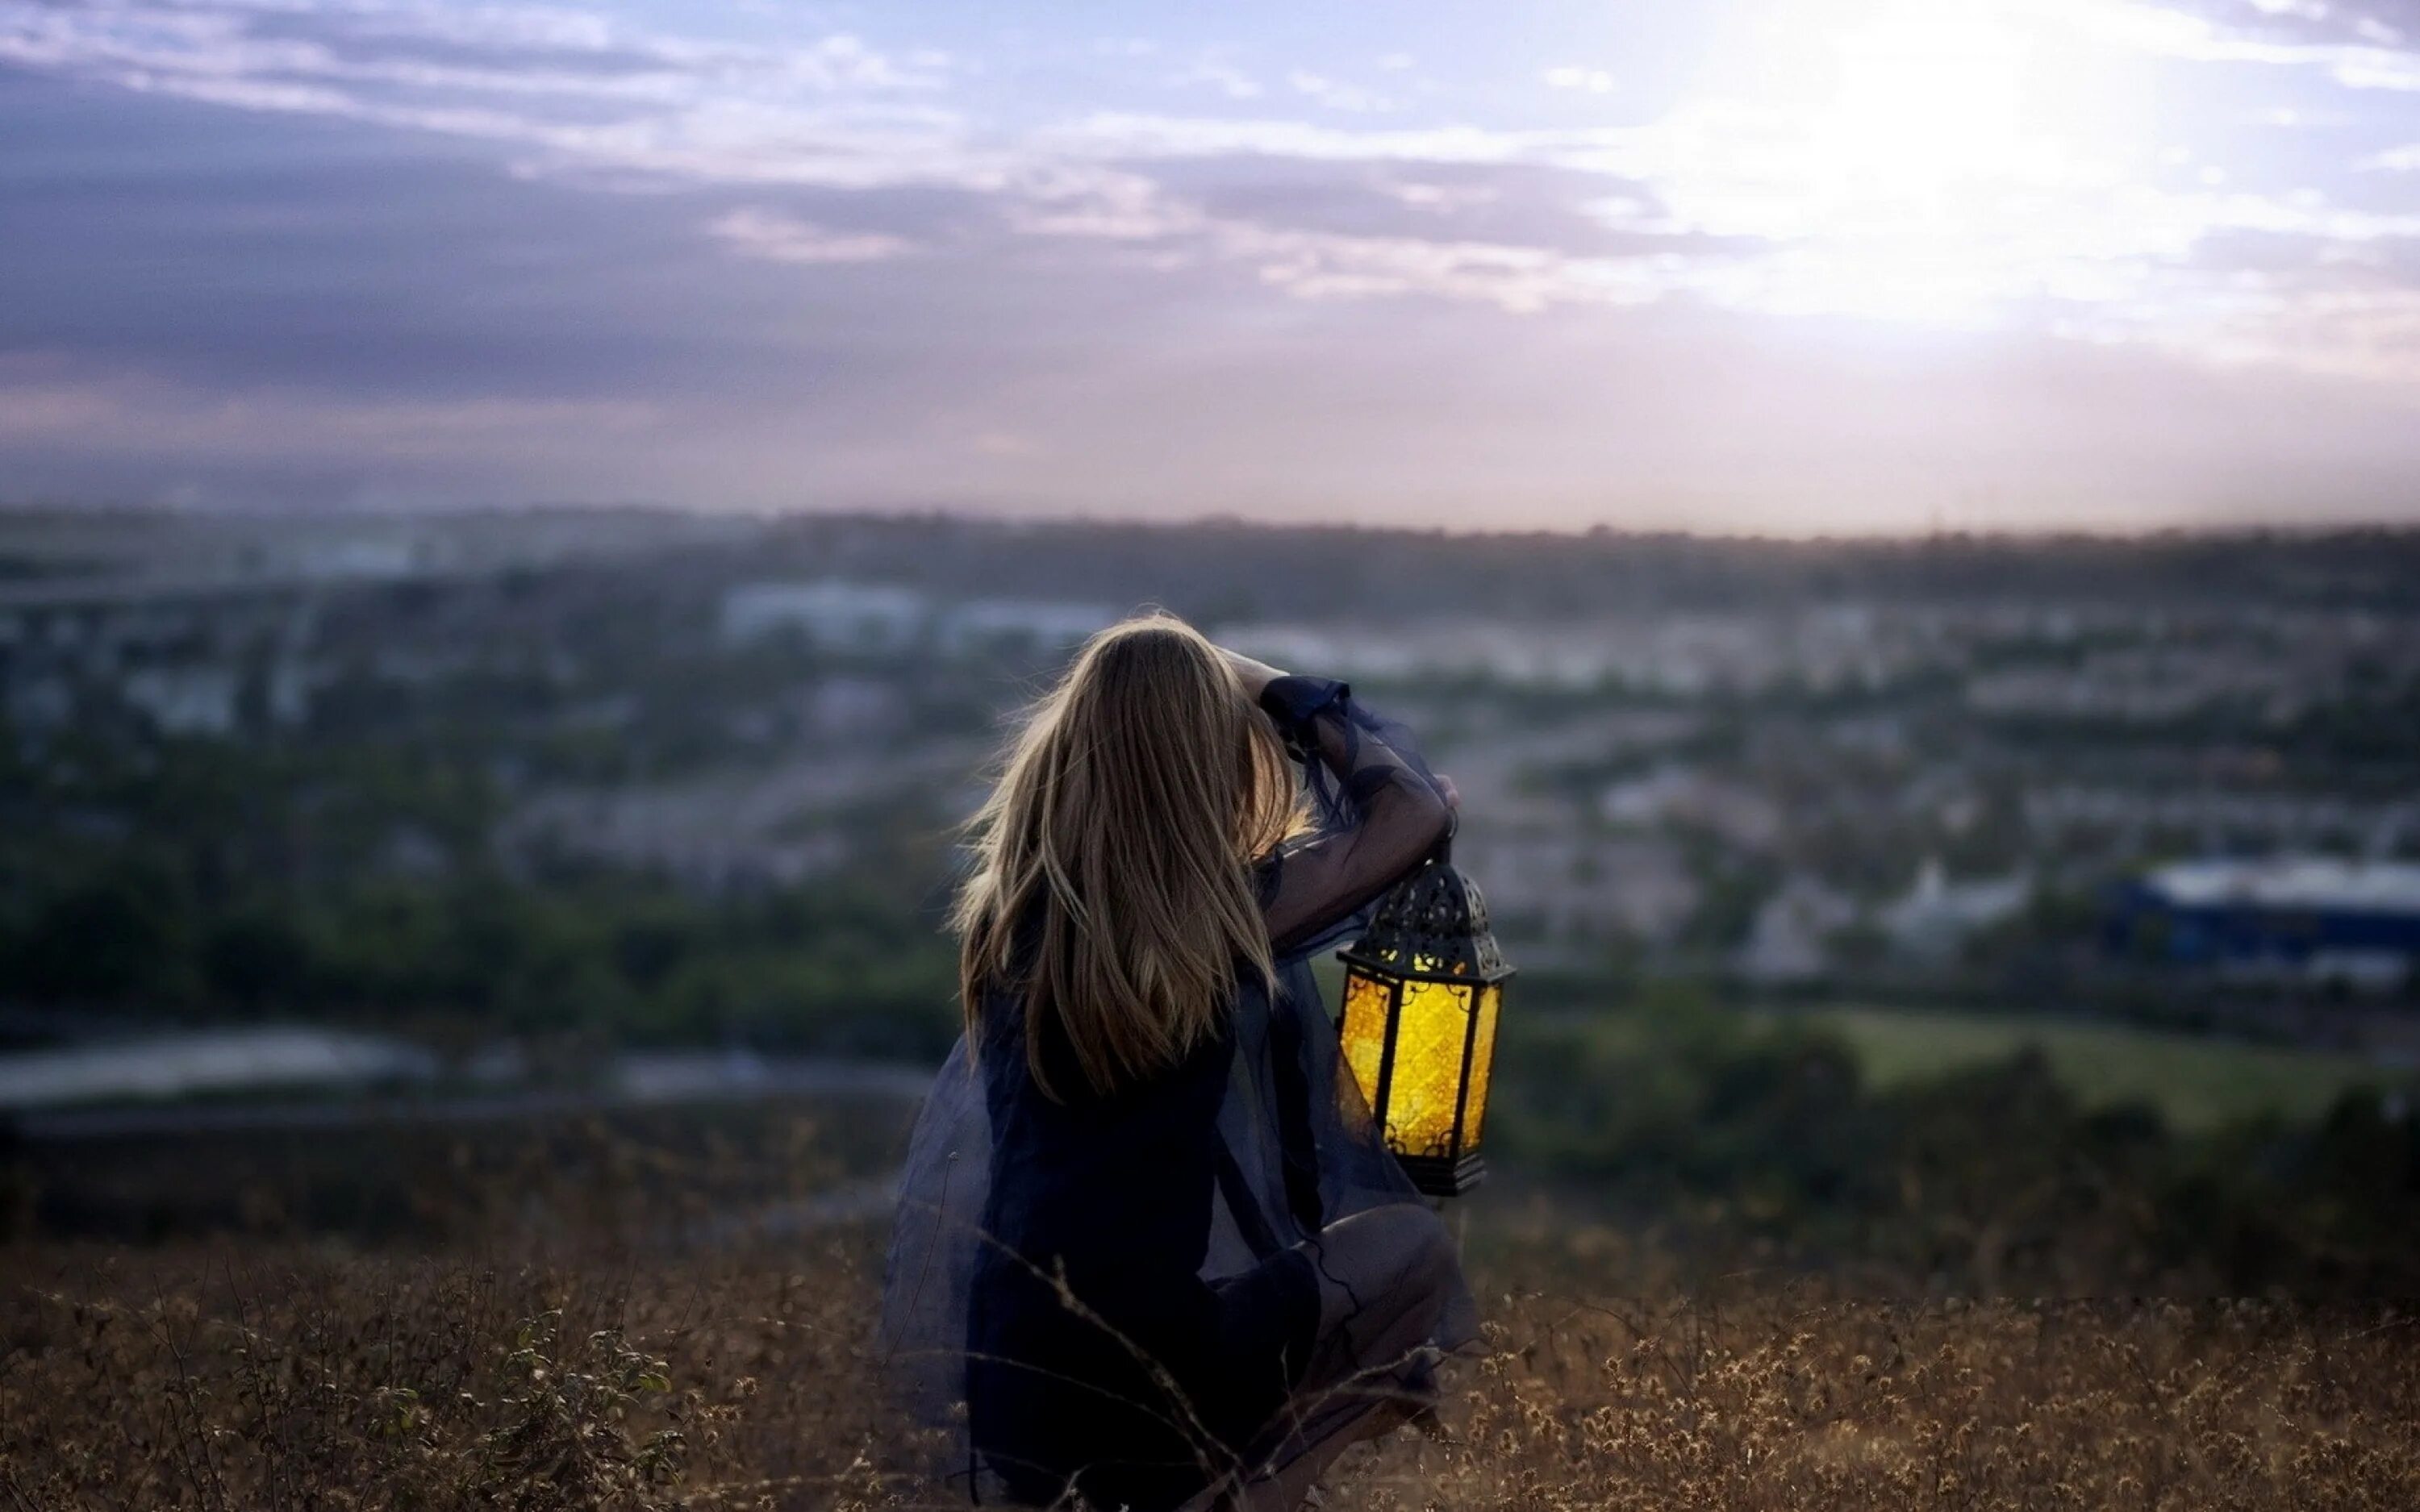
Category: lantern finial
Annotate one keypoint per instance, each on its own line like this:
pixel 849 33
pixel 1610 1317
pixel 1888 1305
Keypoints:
pixel 1433 923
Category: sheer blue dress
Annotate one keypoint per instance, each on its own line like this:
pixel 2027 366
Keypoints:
pixel 1120 1295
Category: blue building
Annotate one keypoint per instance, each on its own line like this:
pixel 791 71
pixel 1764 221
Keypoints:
pixel 2313 918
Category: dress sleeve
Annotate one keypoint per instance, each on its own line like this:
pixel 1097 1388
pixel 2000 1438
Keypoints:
pixel 1383 814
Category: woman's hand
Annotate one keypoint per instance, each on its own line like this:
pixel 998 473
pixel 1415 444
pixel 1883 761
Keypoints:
pixel 1254 675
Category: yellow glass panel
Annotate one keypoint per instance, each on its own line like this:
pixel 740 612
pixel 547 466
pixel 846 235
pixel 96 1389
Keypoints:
pixel 1366 1001
pixel 1426 1086
pixel 1482 1063
pixel 1420 1097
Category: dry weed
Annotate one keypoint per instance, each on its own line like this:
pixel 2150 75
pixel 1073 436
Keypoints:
pixel 245 1377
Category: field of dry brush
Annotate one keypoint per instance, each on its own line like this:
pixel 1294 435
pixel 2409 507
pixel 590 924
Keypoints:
pixel 261 1376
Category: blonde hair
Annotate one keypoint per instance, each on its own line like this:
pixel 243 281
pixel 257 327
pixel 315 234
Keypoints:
pixel 1112 879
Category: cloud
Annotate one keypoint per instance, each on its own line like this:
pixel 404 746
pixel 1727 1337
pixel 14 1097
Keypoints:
pixel 1588 80
pixel 80 406
pixel 1517 280
pixel 1006 444
pixel 1572 213
pixel 2389 24
pixel 516 51
pixel 1223 77
pixel 1334 94
pixel 573 88
pixel 778 238
pixel 553 343
pixel 688 224
pixel 1133 135
pixel 2357 50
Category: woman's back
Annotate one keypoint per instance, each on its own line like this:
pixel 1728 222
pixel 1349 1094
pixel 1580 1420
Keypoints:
pixel 1140 1377
pixel 1159 1101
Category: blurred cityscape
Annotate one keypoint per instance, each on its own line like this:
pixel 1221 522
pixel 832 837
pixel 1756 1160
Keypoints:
pixel 339 767
pixel 310 825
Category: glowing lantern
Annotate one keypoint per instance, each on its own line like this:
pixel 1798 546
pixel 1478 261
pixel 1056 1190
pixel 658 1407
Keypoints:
pixel 1421 993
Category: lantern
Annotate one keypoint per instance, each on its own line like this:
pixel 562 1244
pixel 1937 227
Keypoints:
pixel 1421 992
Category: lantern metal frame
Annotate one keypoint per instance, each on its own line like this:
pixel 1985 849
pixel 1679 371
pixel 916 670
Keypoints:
pixel 1432 927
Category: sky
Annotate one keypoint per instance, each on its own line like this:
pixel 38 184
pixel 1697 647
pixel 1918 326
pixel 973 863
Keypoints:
pixel 1770 265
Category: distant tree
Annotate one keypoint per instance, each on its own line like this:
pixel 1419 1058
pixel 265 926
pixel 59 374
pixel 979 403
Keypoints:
pixel 257 959
pixel 117 940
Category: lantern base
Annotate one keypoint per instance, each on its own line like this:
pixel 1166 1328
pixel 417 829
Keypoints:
pixel 1436 1176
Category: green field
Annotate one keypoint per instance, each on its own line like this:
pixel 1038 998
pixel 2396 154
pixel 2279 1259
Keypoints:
pixel 2198 1083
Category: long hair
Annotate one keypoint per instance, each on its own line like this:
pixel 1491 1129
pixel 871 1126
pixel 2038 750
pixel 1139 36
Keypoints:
pixel 1111 887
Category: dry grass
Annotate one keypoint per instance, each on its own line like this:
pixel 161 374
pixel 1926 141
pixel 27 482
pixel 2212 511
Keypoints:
pixel 261 1377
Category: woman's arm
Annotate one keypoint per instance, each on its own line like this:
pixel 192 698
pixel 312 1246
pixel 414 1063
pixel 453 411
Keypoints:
pixel 1255 675
pixel 1400 816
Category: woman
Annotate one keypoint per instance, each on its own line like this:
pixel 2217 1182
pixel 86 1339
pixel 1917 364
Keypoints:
pixel 1147 1238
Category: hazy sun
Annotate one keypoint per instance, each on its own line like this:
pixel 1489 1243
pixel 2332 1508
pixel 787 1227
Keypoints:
pixel 1916 99
pixel 1916 158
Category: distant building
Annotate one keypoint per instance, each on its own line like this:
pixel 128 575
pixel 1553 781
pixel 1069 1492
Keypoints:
pixel 185 700
pixel 874 617
pixel 1936 917
pixel 1791 940
pixel 1825 647
pixel 2321 920
pixel 44 702
pixel 1742 815
pixel 1038 623
pixel 1568 882
pixel 290 685
pixel 853 708
pixel 828 612
pixel 376 557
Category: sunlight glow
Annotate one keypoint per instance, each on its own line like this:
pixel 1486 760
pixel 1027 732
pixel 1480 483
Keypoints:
pixel 1922 160
pixel 1922 99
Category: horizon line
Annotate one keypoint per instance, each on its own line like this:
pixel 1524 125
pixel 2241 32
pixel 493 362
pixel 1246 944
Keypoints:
pixel 2301 530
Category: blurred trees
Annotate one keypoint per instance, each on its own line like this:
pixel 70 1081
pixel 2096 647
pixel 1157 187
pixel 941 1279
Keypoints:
pixel 192 882
pixel 1740 1131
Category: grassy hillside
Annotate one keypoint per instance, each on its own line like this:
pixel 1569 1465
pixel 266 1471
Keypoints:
pixel 2198 1083
pixel 1720 1269
pixel 264 1377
